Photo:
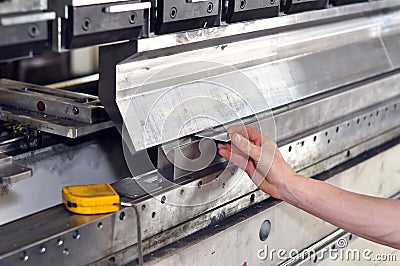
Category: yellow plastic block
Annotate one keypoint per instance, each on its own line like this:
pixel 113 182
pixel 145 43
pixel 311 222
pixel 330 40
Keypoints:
pixel 90 199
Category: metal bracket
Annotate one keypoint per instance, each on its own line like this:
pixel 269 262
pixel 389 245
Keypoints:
pixel 12 173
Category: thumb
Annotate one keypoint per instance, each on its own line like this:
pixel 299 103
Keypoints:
pixel 245 146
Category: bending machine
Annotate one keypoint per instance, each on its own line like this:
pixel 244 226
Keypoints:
pixel 319 77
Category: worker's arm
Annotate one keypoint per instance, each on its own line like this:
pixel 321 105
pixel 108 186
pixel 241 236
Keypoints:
pixel 373 218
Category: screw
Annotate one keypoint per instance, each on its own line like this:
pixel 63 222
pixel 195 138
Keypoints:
pixel 66 252
pixel 60 242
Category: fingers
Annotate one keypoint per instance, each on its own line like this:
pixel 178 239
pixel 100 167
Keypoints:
pixel 247 132
pixel 245 146
pixel 235 158
pixel 239 160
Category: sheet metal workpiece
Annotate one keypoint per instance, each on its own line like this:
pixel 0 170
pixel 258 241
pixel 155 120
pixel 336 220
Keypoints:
pixel 141 89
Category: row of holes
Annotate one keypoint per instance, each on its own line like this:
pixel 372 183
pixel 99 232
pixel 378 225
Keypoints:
pixel 348 125
pixel 182 191
pixel 24 256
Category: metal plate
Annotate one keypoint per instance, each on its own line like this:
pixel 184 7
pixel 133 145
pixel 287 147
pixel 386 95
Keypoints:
pixel 179 15
pixel 52 124
pixel 264 73
pixel 290 7
pixel 17 6
pixel 240 10
pixel 65 104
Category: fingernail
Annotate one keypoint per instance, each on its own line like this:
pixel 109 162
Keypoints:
pixel 237 138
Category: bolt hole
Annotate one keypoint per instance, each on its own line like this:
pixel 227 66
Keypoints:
pixel 66 252
pixel 100 225
pixel 173 12
pixel 348 124
pixel 369 124
pixel 337 129
pixel 252 198
pixel 87 23
pixel 386 109
pixel 350 237
pixel 112 260
pixel 76 235
pixel 132 18
pixel 200 184
pixel 41 106
pixel 302 143
pixel 143 207
pixel 395 106
pixel 315 138
pixel 358 120
pixel 242 4
pixel 163 199
pixel 122 216
pixel 272 2
pixel 153 214
pixel 210 7
pixel 223 185
pixel 33 31
pixel 326 133
pixel 334 246
pixel 75 110
pixel 290 148
pixel 24 256
pixel 182 192
pixel 348 153
pixel 265 229
pixel 329 141
pixel 233 170
pixel 377 113
pixel 365 118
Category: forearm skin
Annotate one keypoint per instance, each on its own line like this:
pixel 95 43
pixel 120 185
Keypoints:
pixel 372 218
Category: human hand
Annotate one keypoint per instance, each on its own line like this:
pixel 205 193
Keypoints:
pixel 259 157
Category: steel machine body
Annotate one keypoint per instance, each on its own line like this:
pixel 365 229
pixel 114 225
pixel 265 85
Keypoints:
pixel 321 78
